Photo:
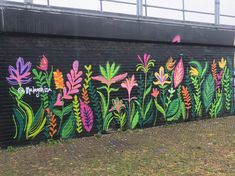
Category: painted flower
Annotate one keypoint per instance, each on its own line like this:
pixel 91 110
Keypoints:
pixel 129 83
pixel 19 75
pixel 59 101
pixel 161 77
pixel 117 105
pixel 170 64
pixel 155 92
pixel 43 63
pixel 145 63
pixel 171 90
pixel 58 78
pixel 108 82
pixel 193 71
pixel 222 63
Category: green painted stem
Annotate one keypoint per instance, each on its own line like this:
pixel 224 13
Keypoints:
pixel 143 100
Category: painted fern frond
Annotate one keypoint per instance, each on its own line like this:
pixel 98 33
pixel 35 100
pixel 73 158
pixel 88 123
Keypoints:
pixel 214 69
pixel 52 123
pixel 186 97
pixel 40 80
pixel 226 85
pixel 95 102
pixel 76 111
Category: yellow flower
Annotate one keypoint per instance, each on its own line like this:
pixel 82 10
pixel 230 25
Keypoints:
pixel 161 77
pixel 222 63
pixel 193 71
pixel 170 64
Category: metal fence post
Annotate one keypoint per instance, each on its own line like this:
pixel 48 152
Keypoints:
pixel 183 10
pixel 217 11
pixel 139 7
pixel 101 6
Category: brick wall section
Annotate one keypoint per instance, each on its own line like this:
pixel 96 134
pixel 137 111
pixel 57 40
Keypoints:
pixel 61 51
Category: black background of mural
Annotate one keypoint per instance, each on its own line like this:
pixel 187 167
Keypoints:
pixel 61 52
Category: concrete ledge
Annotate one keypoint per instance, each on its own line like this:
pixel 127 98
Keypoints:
pixel 44 22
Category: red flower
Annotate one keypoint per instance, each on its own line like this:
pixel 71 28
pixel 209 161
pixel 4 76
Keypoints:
pixel 155 92
pixel 43 64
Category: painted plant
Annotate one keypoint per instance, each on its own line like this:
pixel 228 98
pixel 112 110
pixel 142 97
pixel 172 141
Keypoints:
pixel 109 76
pixel 144 103
pixel 27 123
pixel 79 102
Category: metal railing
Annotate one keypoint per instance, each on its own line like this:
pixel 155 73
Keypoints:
pixel 142 8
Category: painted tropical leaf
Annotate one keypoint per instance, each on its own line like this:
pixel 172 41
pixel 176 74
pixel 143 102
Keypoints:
pixel 148 108
pixel 135 120
pixel 19 118
pixel 38 123
pixel 160 108
pixel 208 91
pixel 107 120
pixel 69 127
pixel 179 73
pixel 86 116
pixel 218 105
pixel 173 108
pixel 74 81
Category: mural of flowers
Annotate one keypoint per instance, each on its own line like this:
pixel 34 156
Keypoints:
pixel 177 91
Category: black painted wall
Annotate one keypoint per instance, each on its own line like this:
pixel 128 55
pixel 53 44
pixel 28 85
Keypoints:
pixel 61 51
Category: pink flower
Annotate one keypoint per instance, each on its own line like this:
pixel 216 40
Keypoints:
pixel 111 81
pixel 145 60
pixel 145 63
pixel 117 105
pixel 43 63
pixel 129 83
pixel 59 101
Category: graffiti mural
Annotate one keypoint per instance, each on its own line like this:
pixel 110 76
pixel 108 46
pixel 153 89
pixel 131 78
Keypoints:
pixel 82 102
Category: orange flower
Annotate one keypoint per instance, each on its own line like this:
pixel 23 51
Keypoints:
pixel 58 78
pixel 170 65
pixel 155 92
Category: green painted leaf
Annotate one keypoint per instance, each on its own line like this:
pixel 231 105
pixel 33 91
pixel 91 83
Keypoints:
pixel 160 108
pixel 103 72
pixel 103 103
pixel 38 123
pixel 67 109
pixel 208 91
pixel 58 113
pixel 113 89
pixel 107 120
pixel 68 129
pixel 135 120
pixel 183 110
pixel 147 91
pixel 147 108
pixel 173 108
pixel 19 119
pixel 218 105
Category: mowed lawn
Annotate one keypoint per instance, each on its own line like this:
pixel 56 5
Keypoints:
pixel 205 147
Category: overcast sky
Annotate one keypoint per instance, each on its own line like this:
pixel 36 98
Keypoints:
pixel 227 8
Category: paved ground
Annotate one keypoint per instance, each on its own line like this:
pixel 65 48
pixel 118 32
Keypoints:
pixel 194 148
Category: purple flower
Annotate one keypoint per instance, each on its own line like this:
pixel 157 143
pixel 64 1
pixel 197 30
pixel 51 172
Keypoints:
pixel 20 75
